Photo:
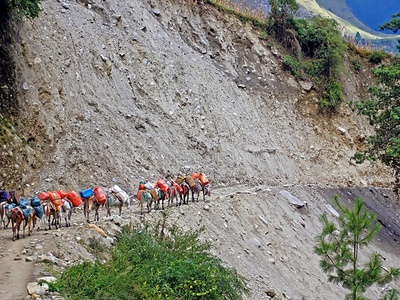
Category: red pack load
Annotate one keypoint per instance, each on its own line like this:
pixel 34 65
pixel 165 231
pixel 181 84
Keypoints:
pixel 62 193
pixel 74 198
pixel 141 185
pixel 163 185
pixel 195 175
pixel 56 200
pixel 43 196
pixel 203 179
pixel 178 187
pixel 99 194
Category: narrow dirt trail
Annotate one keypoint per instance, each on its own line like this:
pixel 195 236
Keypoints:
pixel 15 271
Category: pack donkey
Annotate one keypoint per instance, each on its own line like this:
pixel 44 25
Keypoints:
pixel 117 197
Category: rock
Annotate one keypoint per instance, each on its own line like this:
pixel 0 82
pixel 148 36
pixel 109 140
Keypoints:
pixel 18 257
pixel 47 279
pixel 292 199
pixel 271 293
pixel 306 84
pixel 255 242
pixel 36 288
pixel 342 130
pixel 97 228
pixel 332 211
pixel 156 12
pixel 206 207
pixel 25 86
pixel 37 60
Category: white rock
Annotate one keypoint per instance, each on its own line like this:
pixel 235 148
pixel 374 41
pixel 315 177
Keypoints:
pixel 36 288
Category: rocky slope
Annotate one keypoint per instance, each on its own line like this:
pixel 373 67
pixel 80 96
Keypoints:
pixel 121 91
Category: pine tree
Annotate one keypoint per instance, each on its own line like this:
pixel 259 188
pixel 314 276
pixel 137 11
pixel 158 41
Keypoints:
pixel 339 249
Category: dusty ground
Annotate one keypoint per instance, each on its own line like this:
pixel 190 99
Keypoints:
pixel 121 91
pixel 256 230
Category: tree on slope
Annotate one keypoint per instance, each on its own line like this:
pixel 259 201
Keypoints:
pixel 340 248
pixel 383 112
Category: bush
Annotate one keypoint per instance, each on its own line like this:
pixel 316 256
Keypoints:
pixel 376 56
pixel 291 64
pixel 154 263
pixel 355 63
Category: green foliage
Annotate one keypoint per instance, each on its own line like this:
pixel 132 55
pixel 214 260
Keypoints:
pixel 383 112
pixel 322 45
pixel 28 8
pixel 291 64
pixel 376 56
pixel 279 23
pixel 339 248
pixel 263 35
pixel 158 262
pixel 320 39
pixel 332 95
pixel 393 25
pixel 355 63
pixel 5 123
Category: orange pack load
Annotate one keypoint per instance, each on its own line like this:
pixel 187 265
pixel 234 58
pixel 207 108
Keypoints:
pixel 99 194
pixel 74 198
pixel 56 200
pixel 62 193
pixel 203 179
pixel 190 181
pixel 163 185
pixel 195 175
pixel 43 196
pixel 178 187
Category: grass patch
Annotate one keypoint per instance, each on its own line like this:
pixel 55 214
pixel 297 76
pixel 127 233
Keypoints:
pixel 158 262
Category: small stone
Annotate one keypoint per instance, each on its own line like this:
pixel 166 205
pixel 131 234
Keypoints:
pixel 18 257
pixel 206 207
pixel 156 12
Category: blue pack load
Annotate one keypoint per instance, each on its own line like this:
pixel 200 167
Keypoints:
pixel 3 196
pixel 23 203
pixel 35 202
pixel 86 193
pixel 27 212
pixel 39 211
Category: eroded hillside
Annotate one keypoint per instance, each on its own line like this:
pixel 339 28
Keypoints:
pixel 120 91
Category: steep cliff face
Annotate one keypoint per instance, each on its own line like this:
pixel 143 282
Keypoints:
pixel 120 91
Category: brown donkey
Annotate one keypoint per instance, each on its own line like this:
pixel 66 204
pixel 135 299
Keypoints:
pixel 17 217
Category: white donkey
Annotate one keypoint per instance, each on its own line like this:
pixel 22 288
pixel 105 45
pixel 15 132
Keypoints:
pixel 117 198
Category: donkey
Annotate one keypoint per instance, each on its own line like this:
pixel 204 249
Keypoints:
pixel 5 213
pixel 145 197
pixel 173 194
pixel 67 210
pixel 51 211
pixel 198 187
pixel 17 217
pixel 117 198
pixel 91 203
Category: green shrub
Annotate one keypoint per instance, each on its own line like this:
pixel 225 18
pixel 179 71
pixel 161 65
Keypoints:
pixel 355 63
pixel 28 8
pixel 291 64
pixel 154 263
pixel 376 56
pixel 332 95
